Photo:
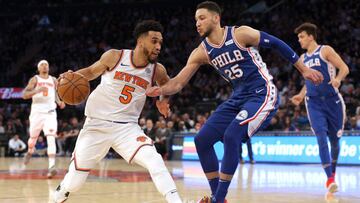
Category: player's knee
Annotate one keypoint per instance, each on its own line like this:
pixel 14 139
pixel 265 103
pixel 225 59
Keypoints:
pixel 150 159
pixel 202 139
pixel 74 179
pixel 51 149
pixel 32 142
pixel 322 139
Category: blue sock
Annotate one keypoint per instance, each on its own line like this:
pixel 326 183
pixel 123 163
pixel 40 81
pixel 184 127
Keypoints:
pixel 214 185
pixel 222 190
pixel 324 152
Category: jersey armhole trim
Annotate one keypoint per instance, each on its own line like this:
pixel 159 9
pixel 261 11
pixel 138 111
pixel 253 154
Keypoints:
pixel 117 63
pixel 153 76
pixel 236 42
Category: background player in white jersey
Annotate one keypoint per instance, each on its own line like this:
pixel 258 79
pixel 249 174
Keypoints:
pixel 324 103
pixel 113 110
pixel 42 89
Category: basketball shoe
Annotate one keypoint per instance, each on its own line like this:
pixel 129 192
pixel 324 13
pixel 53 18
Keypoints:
pixel 60 195
pixel 207 199
pixel 331 185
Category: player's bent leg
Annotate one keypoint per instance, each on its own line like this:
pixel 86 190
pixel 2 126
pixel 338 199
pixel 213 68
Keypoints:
pixel 31 148
pixel 321 137
pixel 73 181
pixel 204 142
pixel 233 136
pixel 148 158
pixel 51 151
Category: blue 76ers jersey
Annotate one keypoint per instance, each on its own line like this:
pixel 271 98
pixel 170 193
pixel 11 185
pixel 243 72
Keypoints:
pixel 242 67
pixel 317 62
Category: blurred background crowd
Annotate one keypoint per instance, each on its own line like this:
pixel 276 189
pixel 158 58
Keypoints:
pixel 72 35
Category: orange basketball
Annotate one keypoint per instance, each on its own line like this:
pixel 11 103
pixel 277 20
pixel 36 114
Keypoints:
pixel 73 88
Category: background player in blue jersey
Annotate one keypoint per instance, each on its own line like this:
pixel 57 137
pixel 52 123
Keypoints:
pixel 324 103
pixel 232 52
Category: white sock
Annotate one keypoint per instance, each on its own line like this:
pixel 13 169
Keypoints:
pixel 51 161
pixel 173 197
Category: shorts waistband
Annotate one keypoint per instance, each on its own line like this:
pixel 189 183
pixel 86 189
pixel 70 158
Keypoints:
pixel 119 122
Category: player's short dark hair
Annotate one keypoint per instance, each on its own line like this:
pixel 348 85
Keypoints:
pixel 211 6
pixel 309 28
pixel 145 26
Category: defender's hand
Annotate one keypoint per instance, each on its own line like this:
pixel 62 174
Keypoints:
pixel 297 99
pixel 154 91
pixel 163 107
pixel 335 83
pixel 313 75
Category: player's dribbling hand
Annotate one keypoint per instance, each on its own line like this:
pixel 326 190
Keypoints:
pixel 335 82
pixel 62 105
pixel 154 91
pixel 163 107
pixel 297 99
pixel 313 75
pixel 62 74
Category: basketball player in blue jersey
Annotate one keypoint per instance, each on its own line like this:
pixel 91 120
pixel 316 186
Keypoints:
pixel 324 103
pixel 232 51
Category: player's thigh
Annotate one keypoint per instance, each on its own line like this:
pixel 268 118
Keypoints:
pixel 36 121
pixel 50 124
pixel 256 113
pixel 316 115
pixel 128 140
pixel 214 128
pixel 336 116
pixel 92 145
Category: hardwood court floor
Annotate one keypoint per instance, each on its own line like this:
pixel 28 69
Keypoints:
pixel 115 181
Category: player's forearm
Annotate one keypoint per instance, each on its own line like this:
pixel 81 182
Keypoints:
pixel 269 41
pixel 300 66
pixel 172 87
pixel 88 74
pixel 303 91
pixel 343 72
pixel 28 94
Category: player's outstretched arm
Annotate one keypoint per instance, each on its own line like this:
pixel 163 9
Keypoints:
pixel 161 78
pixel 330 55
pixel 107 62
pixel 297 99
pixel 31 89
pixel 247 36
pixel 173 86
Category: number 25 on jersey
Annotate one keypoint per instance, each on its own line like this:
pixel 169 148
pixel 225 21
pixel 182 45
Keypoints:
pixel 126 94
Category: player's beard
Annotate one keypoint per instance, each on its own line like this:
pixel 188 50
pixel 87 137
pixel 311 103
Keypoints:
pixel 207 33
pixel 148 54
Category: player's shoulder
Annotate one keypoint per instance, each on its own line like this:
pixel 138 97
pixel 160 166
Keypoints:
pixel 243 29
pixel 159 65
pixel 113 52
pixel 326 49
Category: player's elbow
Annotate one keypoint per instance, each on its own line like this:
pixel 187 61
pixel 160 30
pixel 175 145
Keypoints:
pixel 25 96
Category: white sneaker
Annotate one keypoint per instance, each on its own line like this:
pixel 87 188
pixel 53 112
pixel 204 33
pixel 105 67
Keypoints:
pixel 51 172
pixel 60 195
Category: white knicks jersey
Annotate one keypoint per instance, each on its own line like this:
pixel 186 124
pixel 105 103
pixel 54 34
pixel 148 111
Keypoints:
pixel 120 96
pixel 44 101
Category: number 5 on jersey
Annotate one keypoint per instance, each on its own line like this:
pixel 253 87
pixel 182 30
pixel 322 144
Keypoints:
pixel 126 95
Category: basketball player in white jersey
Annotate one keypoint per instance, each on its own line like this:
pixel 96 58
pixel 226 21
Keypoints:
pixel 42 89
pixel 113 110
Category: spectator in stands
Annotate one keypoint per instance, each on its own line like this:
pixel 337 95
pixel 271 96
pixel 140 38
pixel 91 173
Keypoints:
pixel 150 130
pixel 16 146
pixel 250 152
pixel 40 147
pixel 161 136
pixel 71 135
pixel 142 123
pixel 2 128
